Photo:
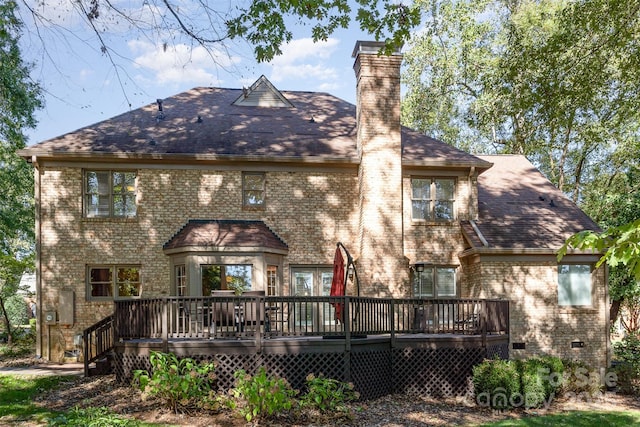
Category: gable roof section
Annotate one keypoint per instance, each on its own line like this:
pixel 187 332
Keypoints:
pixel 262 94
pixel 204 125
pixel 225 235
pixel 422 150
pixel 520 209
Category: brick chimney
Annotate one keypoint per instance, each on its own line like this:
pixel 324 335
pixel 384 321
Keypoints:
pixel 382 267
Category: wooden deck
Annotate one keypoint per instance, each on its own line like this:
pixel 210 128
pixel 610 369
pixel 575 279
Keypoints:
pixel 383 346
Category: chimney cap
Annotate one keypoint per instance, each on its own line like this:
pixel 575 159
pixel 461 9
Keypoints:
pixel 371 47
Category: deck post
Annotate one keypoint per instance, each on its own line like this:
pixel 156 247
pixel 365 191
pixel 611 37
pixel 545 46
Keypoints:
pixel 85 352
pixel 347 339
pixel 483 324
pixel 392 329
pixel 165 325
pixel 261 316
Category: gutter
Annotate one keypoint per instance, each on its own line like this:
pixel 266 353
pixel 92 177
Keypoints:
pixel 30 154
pixel 38 261
pixel 585 256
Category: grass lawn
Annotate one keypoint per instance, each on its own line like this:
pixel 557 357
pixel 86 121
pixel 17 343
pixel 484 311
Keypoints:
pixel 16 407
pixel 17 393
pixel 575 419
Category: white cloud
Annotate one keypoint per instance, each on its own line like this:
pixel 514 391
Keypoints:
pixel 329 87
pixel 179 64
pixel 306 48
pixel 304 59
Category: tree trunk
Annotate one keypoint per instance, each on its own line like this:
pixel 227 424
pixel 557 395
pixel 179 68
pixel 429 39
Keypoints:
pixel 5 319
pixel 614 310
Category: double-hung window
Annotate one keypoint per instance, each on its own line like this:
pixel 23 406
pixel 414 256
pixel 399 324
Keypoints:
pixel 432 199
pixel 574 285
pixel 181 280
pixel 113 281
pixel 434 282
pixel 253 190
pixel 109 193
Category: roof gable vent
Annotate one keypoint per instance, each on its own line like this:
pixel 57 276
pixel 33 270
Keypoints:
pixel 262 94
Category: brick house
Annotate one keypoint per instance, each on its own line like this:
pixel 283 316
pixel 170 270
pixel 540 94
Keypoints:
pixel 220 188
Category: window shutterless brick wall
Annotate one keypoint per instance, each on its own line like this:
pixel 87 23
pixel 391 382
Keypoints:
pixel 310 211
pixel 536 318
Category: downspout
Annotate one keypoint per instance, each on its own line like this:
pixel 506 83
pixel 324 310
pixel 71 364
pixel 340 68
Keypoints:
pixel 38 260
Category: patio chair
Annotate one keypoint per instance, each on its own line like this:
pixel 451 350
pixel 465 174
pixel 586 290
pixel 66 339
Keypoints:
pixel 423 319
pixel 253 311
pixel 223 313
pixel 471 323
pixel 192 318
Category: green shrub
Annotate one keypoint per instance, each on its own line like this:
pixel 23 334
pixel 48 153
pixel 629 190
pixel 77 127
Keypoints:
pixel 526 383
pixel 627 350
pixel 327 394
pixel 627 354
pixel 496 383
pixel 532 387
pixel 261 395
pixel 178 382
pixel 580 378
pixel 554 373
pixel 17 310
pixel 626 379
pixel 549 371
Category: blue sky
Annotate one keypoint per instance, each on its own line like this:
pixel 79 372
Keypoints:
pixel 82 86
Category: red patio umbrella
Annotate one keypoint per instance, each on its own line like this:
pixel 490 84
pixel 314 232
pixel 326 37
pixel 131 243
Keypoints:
pixel 337 283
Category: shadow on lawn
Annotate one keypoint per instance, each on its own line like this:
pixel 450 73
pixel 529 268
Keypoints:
pixel 17 393
pixel 574 419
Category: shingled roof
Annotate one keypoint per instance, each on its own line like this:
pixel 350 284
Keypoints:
pixel 521 209
pixel 239 235
pixel 207 124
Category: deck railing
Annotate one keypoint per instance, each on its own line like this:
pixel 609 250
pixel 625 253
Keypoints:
pixel 260 317
pixel 98 340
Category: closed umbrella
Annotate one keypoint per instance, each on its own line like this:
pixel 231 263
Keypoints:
pixel 337 283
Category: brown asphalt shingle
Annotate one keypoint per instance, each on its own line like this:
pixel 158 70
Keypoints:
pixel 204 122
pixel 226 233
pixel 520 208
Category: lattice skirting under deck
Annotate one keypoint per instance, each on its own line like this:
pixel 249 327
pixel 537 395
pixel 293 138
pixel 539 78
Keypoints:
pixel 376 369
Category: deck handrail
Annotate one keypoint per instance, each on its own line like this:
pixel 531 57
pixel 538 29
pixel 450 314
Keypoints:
pixel 98 340
pixel 264 317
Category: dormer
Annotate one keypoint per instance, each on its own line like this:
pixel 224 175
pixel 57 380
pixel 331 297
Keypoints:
pixel 262 93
